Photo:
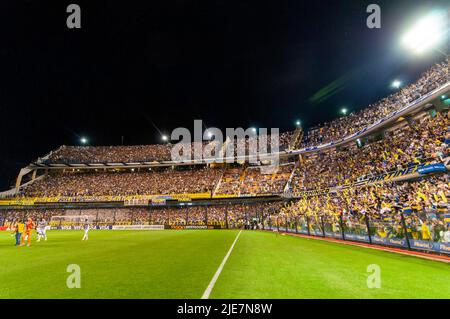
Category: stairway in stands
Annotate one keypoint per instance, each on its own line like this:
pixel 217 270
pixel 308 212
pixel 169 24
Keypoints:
pixel 296 139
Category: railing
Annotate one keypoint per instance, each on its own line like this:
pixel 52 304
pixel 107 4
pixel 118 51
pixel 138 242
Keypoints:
pixel 401 230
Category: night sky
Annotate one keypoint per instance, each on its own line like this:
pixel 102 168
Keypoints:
pixel 137 66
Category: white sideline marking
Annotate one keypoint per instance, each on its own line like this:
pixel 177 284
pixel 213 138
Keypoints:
pixel 219 270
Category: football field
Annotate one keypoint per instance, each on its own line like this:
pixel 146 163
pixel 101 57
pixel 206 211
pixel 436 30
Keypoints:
pixel 181 264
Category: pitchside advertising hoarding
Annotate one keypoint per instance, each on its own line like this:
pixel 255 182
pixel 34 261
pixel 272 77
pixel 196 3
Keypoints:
pixel 194 227
pixel 429 246
pixel 397 242
pixel 357 237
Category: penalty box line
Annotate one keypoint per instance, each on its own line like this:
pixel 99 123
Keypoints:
pixel 219 270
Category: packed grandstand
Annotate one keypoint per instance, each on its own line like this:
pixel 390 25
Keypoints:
pixel 379 175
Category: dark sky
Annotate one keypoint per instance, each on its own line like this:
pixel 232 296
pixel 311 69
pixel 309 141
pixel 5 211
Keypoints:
pixel 230 63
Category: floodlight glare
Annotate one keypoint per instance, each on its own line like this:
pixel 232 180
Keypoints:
pixel 344 111
pixel 396 84
pixel 426 33
pixel 298 123
pixel 83 140
pixel 164 138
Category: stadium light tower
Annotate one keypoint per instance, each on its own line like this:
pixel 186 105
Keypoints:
pixel 427 33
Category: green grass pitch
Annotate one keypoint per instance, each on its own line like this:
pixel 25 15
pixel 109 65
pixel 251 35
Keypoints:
pixel 180 264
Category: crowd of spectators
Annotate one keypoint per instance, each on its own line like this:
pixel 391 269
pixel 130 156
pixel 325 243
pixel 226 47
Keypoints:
pixel 423 204
pixel 339 128
pixel 150 153
pixel 122 183
pixel 251 145
pixel 425 140
pixel 257 182
pixel 110 154
pixel 231 181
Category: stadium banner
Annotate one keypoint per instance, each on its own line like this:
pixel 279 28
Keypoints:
pixel 136 202
pixel 17 202
pixel 175 227
pixel 392 175
pixel 217 227
pixel 430 245
pixel 225 196
pixel 256 195
pixel 431 168
pixel 356 237
pixel 314 192
pixel 196 227
pixel 158 201
pixel 127 200
pixel 138 227
pixel 191 196
pixel 188 227
pixel 79 227
pixel 333 235
pixel 103 227
pixel 316 232
pixel 397 242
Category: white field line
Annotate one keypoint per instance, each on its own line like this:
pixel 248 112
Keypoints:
pixel 219 270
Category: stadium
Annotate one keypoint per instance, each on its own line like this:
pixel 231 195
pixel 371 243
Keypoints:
pixel 377 177
pixel 360 196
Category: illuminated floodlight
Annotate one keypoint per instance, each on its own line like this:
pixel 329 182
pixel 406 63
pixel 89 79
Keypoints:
pixel 396 84
pixel 427 33
pixel 164 138
pixel 344 111
pixel 253 130
pixel 358 142
pixel 83 140
pixel 298 123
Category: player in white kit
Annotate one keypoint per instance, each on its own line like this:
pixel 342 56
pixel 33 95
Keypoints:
pixel 42 230
pixel 86 228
